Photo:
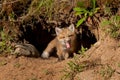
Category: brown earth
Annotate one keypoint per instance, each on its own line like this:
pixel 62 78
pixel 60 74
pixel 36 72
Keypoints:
pixel 101 61
pixel 24 68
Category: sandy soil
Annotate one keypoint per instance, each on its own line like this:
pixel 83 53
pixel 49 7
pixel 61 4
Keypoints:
pixel 24 68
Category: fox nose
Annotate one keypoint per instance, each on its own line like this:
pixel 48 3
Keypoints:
pixel 67 39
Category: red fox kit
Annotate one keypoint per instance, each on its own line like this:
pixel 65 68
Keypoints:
pixel 64 42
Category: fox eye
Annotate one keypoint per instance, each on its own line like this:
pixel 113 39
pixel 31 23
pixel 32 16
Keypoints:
pixel 70 35
pixel 62 37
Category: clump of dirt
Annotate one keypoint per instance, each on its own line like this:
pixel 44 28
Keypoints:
pixel 105 56
pixel 24 68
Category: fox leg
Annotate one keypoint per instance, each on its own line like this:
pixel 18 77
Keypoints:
pixel 60 56
pixel 45 54
pixel 49 49
pixel 66 55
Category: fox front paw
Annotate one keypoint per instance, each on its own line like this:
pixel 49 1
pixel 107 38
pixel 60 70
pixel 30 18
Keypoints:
pixel 45 55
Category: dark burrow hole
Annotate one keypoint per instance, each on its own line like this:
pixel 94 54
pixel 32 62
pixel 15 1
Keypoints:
pixel 40 36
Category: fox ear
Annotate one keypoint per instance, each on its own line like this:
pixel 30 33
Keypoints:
pixel 58 30
pixel 71 27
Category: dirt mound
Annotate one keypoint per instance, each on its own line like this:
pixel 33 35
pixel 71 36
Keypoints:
pixel 105 57
pixel 24 68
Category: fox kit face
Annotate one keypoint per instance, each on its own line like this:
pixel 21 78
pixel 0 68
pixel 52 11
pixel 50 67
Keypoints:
pixel 65 36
